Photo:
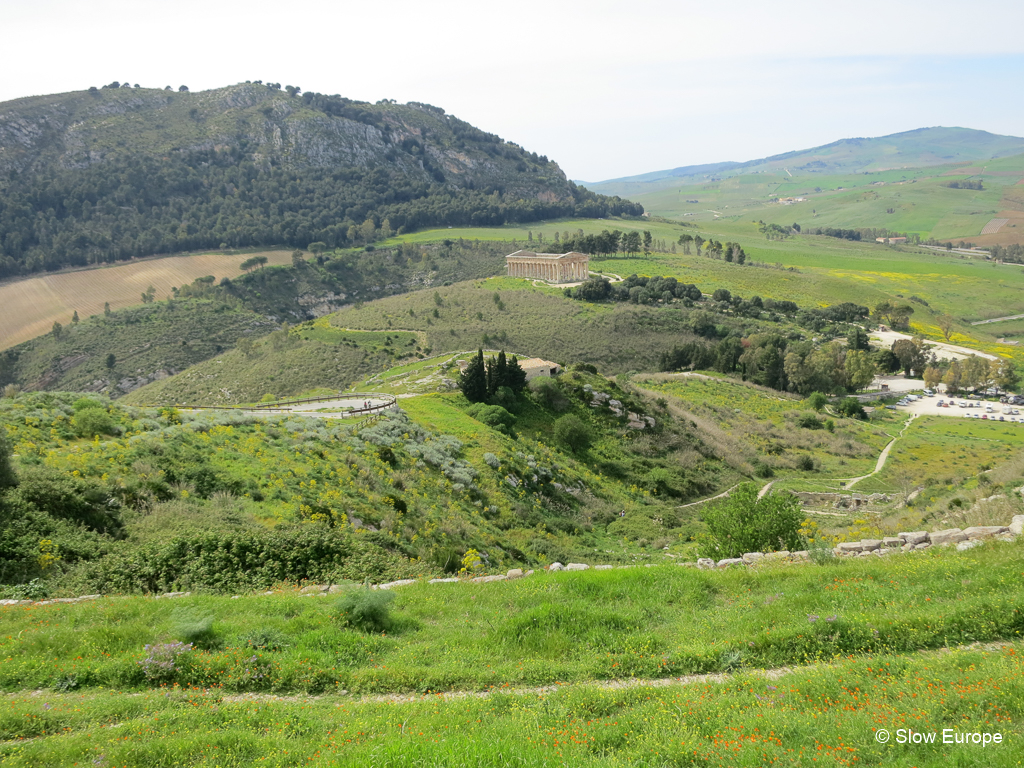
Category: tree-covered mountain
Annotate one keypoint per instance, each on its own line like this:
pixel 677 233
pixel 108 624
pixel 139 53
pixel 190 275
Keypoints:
pixel 116 172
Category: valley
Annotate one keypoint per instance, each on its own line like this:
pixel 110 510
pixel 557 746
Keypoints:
pixel 301 503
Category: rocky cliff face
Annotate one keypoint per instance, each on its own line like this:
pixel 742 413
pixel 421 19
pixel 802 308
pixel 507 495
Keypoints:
pixel 270 128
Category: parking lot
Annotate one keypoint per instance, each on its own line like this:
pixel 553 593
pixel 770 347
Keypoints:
pixel 959 407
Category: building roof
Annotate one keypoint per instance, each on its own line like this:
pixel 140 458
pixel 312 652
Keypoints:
pixel 536 362
pixel 549 256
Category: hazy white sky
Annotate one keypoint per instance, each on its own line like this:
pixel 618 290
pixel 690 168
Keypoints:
pixel 606 89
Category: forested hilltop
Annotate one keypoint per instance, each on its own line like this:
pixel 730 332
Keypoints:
pixel 117 172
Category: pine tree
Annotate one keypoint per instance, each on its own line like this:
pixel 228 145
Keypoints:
pixel 74 318
pixel 473 381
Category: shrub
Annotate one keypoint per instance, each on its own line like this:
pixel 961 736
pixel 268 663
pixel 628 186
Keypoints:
pixel 571 431
pixel 194 627
pixel 491 460
pixel 161 660
pixel 265 640
pixel 805 463
pixel 493 416
pixel 851 408
pixel 809 421
pixel 91 422
pixel 821 552
pixel 548 394
pixel 743 523
pixel 365 609
pixel 816 400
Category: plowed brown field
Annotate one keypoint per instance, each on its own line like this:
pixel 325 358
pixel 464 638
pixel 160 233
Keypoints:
pixel 29 307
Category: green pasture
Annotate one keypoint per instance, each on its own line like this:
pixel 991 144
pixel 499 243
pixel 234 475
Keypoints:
pixel 825 715
pixel 947 454
pixel 828 270
pixel 547 628
pixel 904 200
pixel 764 427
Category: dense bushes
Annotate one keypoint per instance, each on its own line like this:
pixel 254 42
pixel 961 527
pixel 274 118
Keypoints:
pixel 235 561
pixel 742 523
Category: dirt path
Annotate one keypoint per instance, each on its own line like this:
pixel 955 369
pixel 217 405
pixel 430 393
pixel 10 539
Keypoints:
pixel 998 319
pixel 882 458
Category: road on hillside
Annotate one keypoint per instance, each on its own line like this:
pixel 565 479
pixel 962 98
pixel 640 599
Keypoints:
pixel 942 350
pixel 998 319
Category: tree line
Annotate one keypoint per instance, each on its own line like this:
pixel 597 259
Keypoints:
pixel 136 205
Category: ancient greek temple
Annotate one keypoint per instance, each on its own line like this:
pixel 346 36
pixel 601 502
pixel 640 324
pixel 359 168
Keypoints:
pixel 554 267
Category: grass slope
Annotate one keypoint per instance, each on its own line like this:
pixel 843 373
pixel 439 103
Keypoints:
pixel 821 716
pixel 568 627
pixel 904 200
pixel 147 341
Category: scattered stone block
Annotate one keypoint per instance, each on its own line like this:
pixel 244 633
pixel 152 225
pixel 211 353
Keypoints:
pixel 488 579
pixel 750 558
pixel 515 573
pixel 870 545
pixel 776 555
pixel 914 537
pixel 1017 525
pixel 603 567
pixel 577 567
pixel 729 561
pixel 556 567
pixel 985 531
pixel 705 563
pixel 399 583
pixel 849 547
pixel 313 589
pixel 918 547
pixel 892 542
pixel 186 594
pixel 947 537
pixel 443 581
pixel 965 545
pixel 800 554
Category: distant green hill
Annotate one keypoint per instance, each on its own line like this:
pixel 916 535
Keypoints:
pixel 117 172
pixel 920 148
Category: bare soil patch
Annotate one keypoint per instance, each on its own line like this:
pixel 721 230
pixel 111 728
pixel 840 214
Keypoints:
pixel 31 305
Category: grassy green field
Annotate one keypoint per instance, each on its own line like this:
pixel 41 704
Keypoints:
pixel 860 623
pixel 547 628
pixel 904 200
pixel 761 425
pixel 820 716
pixel 828 270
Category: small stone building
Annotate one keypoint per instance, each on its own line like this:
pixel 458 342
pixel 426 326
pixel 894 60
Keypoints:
pixel 535 367
pixel 554 267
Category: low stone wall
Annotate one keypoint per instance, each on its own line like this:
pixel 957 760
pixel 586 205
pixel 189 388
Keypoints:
pixel 841 500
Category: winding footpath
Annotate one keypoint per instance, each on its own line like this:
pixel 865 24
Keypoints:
pixel 883 457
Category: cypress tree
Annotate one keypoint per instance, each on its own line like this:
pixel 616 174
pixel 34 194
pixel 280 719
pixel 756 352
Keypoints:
pixel 497 373
pixel 473 381
pixel 7 477
pixel 515 376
